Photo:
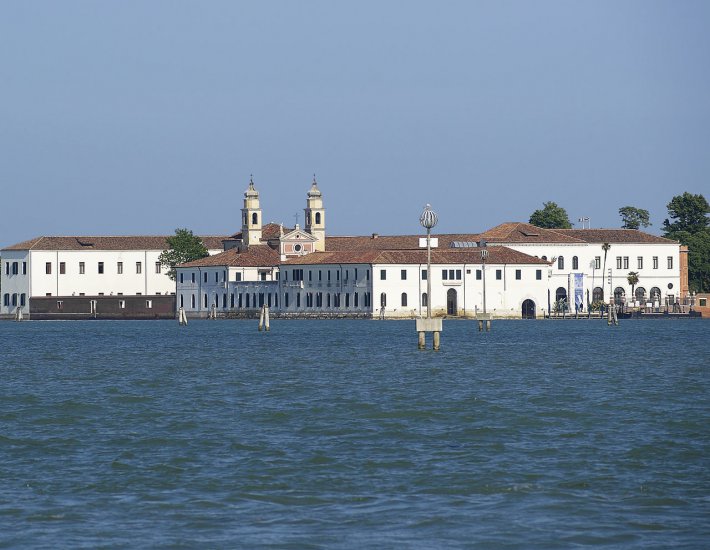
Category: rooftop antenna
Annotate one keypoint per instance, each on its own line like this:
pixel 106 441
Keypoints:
pixel 583 220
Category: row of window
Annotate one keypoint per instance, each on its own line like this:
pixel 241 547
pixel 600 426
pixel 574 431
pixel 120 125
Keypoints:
pixel 12 300
pixel 94 304
pixel 100 268
pixel 13 268
pixel 619 294
pixel 622 262
pixel 298 274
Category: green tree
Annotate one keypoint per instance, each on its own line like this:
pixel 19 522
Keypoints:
pixel 551 216
pixel 688 212
pixel 689 224
pixel 182 247
pixel 634 218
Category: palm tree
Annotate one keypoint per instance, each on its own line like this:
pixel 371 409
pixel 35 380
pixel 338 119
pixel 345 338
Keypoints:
pixel 633 278
pixel 605 248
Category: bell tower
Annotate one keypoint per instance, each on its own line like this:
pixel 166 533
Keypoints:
pixel 315 215
pixel 251 216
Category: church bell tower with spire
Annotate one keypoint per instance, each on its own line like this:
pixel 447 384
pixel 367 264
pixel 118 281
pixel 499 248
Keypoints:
pixel 251 216
pixel 315 215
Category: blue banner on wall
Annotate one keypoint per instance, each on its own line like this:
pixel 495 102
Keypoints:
pixel 578 291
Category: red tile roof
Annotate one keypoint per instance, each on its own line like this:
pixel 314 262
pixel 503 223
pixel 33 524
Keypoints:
pixel 393 242
pixel 614 236
pixel 518 232
pixel 107 243
pixel 496 255
pixel 257 255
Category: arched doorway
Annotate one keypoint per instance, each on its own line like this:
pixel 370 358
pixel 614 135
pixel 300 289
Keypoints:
pixel 656 296
pixel 598 294
pixel 528 309
pixel 619 295
pixel 561 294
pixel 641 295
pixel 451 305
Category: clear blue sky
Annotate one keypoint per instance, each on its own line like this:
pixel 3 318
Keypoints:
pixel 140 117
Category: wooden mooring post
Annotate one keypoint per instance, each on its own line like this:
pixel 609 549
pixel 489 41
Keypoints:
pixel 264 319
pixel 435 326
pixel 182 317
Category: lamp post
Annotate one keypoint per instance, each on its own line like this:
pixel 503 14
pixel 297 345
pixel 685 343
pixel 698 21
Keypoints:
pixel 428 219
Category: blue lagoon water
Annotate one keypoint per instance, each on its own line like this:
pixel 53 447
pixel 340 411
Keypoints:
pixel 341 434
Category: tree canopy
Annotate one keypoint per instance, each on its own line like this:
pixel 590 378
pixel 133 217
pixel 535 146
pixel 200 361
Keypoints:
pixel 183 247
pixel 634 218
pixel 690 226
pixel 551 216
pixel 688 212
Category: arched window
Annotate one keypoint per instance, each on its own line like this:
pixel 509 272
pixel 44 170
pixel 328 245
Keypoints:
pixel 254 219
pixel 619 295
pixel 656 295
pixel 561 262
pixel 640 294
pixel 598 294
pixel 383 299
pixel 308 218
pixel 575 262
pixel 404 299
pixel 317 218
pixel 544 258
pixel 425 300
pixel 327 299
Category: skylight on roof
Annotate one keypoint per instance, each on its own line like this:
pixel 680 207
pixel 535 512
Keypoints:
pixel 529 233
pixel 463 244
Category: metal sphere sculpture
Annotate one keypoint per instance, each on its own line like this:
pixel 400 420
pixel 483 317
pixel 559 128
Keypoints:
pixel 428 219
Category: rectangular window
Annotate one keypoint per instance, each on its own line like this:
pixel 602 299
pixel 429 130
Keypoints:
pixel 216 276
pixel 82 268
pixel 238 277
pixel 320 275
pixel 356 299
pixel 193 279
pixel 499 274
pixel 337 275
pixel 231 300
pixel 458 274
pixel 639 262
pixel 24 268
pixel 23 299
pixel 655 262
pixel 451 274
pixel 149 304
pixel 403 274
pixel 538 274
pixel 618 262
pixel 7 268
pixel 48 268
pixel 703 302
pixel 119 268
pixel 62 268
pixel 204 276
pixel 310 276
pixel 329 274
pixel 356 273
pixel 670 262
pixel 139 267
pixel 597 262
pixel 367 273
pixel 479 274
pixel 383 274
pixel 518 274
pixel 626 262
pixel 15 268
pixel 346 274
pixel 444 275
pixel 101 268
pixel 182 280
pixel 424 275
pixel 157 267
pixel 262 276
